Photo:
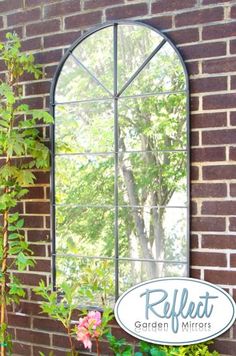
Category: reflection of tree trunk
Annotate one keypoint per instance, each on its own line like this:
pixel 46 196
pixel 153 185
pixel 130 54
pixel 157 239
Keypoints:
pixel 137 216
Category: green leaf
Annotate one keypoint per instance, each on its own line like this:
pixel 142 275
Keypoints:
pixel 20 224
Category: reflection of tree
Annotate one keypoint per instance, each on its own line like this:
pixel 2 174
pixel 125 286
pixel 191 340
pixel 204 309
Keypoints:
pixel 151 169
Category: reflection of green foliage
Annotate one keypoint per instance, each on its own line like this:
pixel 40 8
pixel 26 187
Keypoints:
pixel 152 176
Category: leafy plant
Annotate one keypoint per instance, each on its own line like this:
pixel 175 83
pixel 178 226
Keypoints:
pixel 63 303
pixel 22 149
pixel 119 346
pixel 59 309
pixel 202 349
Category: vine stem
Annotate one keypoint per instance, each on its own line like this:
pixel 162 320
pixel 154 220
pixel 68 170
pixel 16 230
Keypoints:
pixel 97 346
pixel 70 341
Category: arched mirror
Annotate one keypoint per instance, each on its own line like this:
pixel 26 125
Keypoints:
pixel 120 160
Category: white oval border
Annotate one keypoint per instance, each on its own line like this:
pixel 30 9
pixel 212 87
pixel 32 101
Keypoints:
pixel 175 279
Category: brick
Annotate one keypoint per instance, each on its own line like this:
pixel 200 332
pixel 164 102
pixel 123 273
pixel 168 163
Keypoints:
pixel 219 137
pixel 232 153
pixel 30 279
pixel 38 250
pixel 21 349
pixel 1 21
pixel 200 190
pixel 37 88
pixel 31 44
pixel 219 172
pixel 203 50
pixel 233 47
pixel 233 12
pixel 83 20
pixel 203 85
pixel 42 266
pixel 219 101
pixel 225 348
pixel 199 17
pixel 50 71
pixel 221 65
pixel 194 138
pixel 34 193
pixel 218 207
pixel 219 241
pixel 194 242
pixel 194 173
pixel 62 8
pixel 42 177
pixel 60 341
pixel 31 3
pixel 208 154
pixel 62 39
pixel 218 31
pixel 94 4
pixel 233 189
pixel 232 224
pixel 233 82
pixel 221 277
pixel 37 208
pixel 208 224
pixel 217 119
pixel 160 22
pixel 34 103
pixel 208 2
pixel 9 5
pixel 120 12
pixel 43 27
pixel 193 208
pixel 184 36
pixel 48 222
pixel 195 273
pixel 233 118
pixel 47 351
pixel 38 236
pixel 48 325
pixel 34 337
pixel 33 221
pixel 172 5
pixel 24 16
pixel 49 56
pixel 194 103
pixel 18 30
pixel 18 320
pixel 208 259
pixel 233 260
pixel 192 68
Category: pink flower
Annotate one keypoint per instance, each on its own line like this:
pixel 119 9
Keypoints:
pixel 88 328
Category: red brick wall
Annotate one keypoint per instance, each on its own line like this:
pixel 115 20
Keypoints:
pixel 205 33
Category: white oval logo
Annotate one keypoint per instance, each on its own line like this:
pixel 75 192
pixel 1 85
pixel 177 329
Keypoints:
pixel 175 311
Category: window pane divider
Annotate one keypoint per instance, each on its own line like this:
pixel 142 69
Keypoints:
pixel 119 152
pixel 90 73
pixel 137 259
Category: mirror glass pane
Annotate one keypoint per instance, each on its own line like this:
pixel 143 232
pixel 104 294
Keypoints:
pixel 79 228
pixel 152 123
pixel 153 233
pixel 163 73
pixel 84 271
pixel 135 43
pixel 133 272
pixel 75 84
pixel 153 178
pixel 84 127
pixel 101 45
pixel 85 179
